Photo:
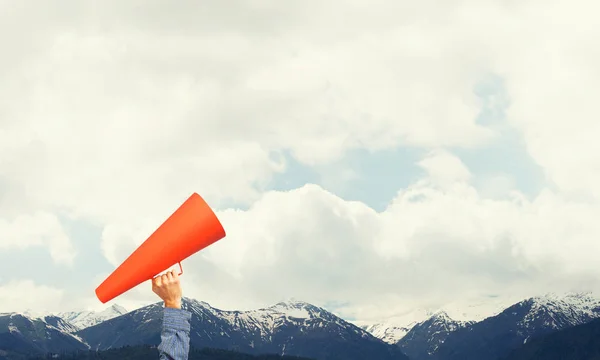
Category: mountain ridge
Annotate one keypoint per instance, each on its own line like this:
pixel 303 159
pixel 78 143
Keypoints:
pixel 286 328
pixel 302 329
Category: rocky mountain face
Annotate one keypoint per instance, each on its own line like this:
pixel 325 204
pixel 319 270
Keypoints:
pixel 579 342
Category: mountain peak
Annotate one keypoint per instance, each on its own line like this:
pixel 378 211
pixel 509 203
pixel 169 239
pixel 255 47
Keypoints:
pixel 196 306
pixel 553 301
pixel 87 318
pixel 294 303
pixel 32 314
pixel 114 310
pixel 553 296
pixel 295 309
pixel 442 315
pixel 194 301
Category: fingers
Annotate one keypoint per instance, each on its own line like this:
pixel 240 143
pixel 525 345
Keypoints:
pixel 170 277
pixel 168 288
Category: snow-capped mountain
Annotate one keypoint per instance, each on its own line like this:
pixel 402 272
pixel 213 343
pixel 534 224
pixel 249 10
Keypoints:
pixel 287 328
pixel 393 329
pixel 25 334
pixel 426 337
pixel 389 333
pixel 268 321
pixel 84 319
pixel 496 336
pixel 559 312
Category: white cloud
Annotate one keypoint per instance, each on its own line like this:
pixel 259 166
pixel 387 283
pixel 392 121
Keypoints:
pixel 434 244
pixel 115 114
pixel 104 113
pixel 111 123
pixel 443 166
pixel 496 185
pixel 545 54
pixel 39 229
pixel 22 295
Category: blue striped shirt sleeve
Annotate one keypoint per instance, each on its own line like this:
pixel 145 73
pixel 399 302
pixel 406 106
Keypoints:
pixel 175 336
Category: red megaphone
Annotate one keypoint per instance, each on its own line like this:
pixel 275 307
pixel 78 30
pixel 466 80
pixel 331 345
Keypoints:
pixel 191 228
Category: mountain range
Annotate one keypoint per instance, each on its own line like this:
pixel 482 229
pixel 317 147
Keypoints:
pixel 287 328
pixel 302 329
pixel 439 337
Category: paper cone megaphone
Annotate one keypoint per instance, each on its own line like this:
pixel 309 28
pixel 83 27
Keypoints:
pixel 191 228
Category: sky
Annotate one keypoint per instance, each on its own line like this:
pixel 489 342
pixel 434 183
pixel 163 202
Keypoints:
pixel 370 157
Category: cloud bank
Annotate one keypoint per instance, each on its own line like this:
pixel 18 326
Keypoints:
pixel 111 114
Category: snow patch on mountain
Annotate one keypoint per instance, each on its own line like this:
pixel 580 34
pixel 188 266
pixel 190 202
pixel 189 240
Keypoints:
pixel 393 329
pixel 297 310
pixel 560 311
pixel 13 329
pixel 389 333
pixel 59 323
pixel 85 319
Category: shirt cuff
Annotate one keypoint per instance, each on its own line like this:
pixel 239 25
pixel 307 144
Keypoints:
pixel 177 319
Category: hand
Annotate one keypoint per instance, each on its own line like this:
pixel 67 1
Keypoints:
pixel 168 288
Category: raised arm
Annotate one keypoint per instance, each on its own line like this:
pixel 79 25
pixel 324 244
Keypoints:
pixel 175 336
